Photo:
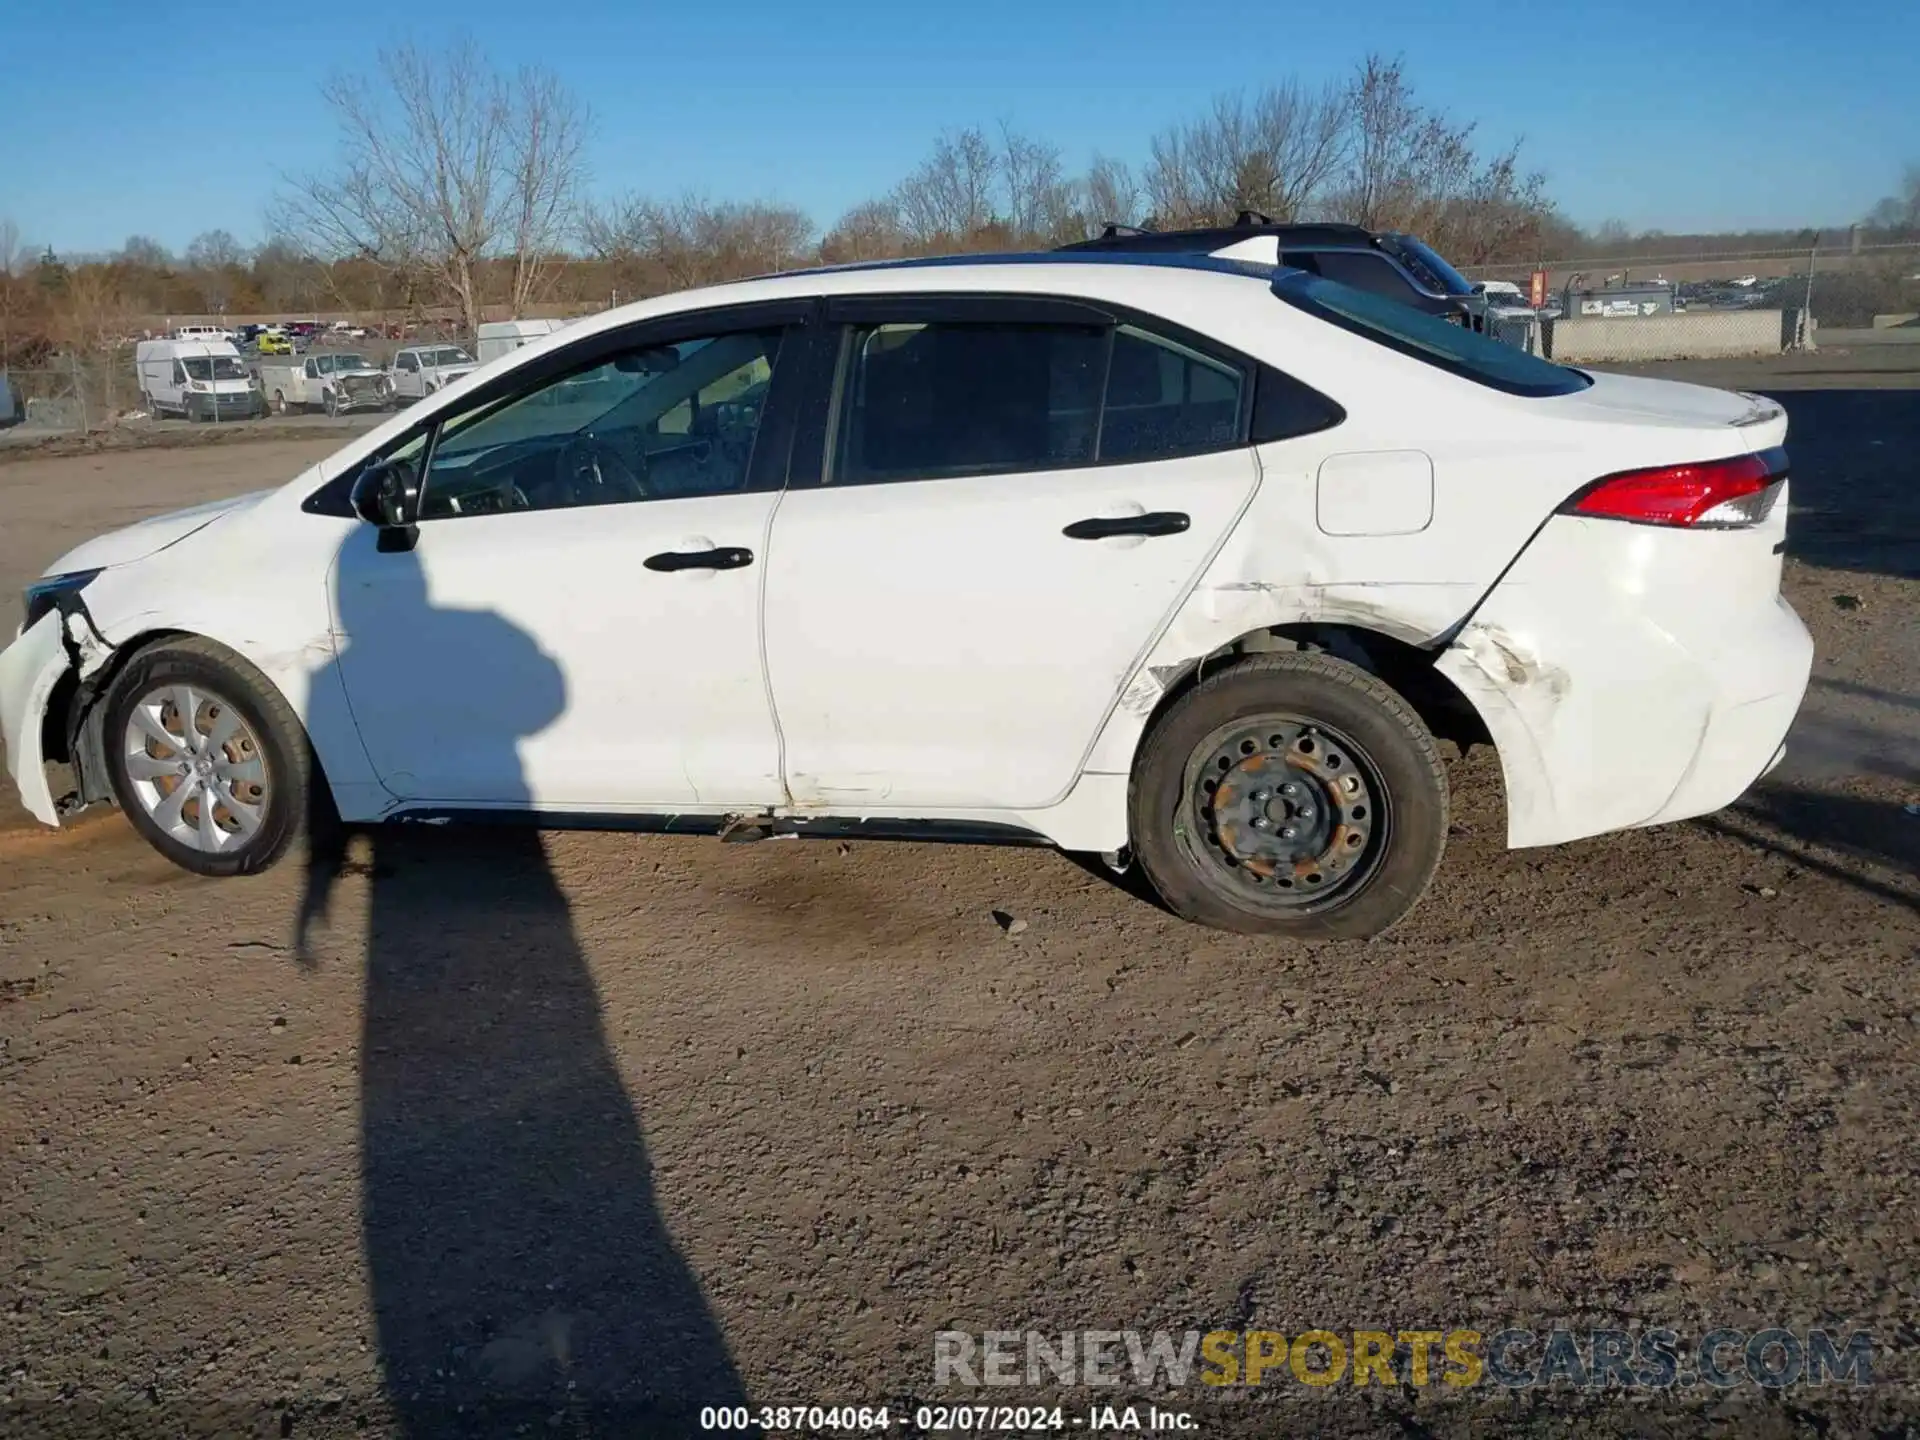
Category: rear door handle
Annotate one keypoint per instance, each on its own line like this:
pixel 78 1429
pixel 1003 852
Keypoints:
pixel 1105 527
pixel 724 557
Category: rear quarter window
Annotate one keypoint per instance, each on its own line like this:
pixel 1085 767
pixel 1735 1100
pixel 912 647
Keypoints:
pixel 1435 342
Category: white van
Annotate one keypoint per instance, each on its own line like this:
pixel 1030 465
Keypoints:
pixel 196 379
pixel 202 332
pixel 503 337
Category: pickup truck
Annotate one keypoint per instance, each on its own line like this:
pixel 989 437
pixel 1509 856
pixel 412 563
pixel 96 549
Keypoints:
pixel 419 370
pixel 335 383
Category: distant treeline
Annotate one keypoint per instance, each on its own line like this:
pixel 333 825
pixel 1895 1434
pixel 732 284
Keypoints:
pixel 460 191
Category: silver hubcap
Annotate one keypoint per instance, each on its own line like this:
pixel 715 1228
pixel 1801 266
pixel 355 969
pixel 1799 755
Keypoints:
pixel 196 768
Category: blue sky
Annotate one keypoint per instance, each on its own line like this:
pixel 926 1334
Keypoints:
pixel 168 120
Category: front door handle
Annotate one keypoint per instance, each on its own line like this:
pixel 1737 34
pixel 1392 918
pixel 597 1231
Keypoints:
pixel 724 557
pixel 1105 527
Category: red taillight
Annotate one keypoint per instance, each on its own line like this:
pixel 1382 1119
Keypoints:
pixel 1710 494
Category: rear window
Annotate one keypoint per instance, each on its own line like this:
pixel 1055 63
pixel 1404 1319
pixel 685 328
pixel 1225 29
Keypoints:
pixel 1440 343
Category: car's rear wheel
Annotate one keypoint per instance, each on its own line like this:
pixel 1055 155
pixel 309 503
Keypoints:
pixel 207 758
pixel 1290 794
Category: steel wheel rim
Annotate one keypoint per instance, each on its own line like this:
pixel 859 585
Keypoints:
pixel 1281 813
pixel 196 768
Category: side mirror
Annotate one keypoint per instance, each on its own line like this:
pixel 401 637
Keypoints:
pixel 387 494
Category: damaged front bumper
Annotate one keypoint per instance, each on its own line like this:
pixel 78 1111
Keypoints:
pixel 31 669
pixel 361 393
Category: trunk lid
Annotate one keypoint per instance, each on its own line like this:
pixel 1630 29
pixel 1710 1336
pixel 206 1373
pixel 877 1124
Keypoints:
pixel 1638 400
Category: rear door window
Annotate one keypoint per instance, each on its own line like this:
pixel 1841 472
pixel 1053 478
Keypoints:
pixel 933 399
pixel 1163 399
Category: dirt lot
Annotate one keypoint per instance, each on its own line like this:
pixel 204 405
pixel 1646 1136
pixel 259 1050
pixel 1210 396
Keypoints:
pixel 622 1125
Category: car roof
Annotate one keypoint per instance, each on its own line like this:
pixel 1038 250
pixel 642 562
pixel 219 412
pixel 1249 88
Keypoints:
pixel 1214 237
pixel 1118 278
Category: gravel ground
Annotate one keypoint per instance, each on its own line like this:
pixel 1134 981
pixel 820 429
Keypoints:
pixel 333 1150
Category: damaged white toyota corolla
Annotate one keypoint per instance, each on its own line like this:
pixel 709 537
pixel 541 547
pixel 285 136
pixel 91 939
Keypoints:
pixel 1172 558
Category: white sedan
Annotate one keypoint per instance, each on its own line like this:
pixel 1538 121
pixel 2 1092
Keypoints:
pixel 1178 560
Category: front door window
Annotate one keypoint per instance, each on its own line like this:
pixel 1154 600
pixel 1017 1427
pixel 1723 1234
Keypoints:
pixel 665 422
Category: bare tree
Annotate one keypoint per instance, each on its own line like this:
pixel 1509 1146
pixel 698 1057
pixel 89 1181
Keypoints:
pixel 446 164
pixel 1109 196
pixel 1900 211
pixel 11 255
pixel 948 200
pixel 546 136
pixel 145 252
pixel 215 250
pixel 1274 154
pixel 1039 202
pixel 1413 168
pixel 869 231
pixel 694 241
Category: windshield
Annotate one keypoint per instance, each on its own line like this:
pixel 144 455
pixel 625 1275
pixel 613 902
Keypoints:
pixel 349 361
pixel 1432 271
pixel 446 355
pixel 1437 342
pixel 215 367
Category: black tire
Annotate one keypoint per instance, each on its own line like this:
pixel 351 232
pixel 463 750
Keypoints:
pixel 330 403
pixel 224 679
pixel 279 402
pixel 1349 718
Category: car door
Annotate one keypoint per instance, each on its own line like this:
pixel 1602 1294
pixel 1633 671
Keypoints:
pixel 1016 495
pixel 576 626
pixel 406 375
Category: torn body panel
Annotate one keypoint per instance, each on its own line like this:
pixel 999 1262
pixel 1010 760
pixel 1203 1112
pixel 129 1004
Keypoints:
pixel 30 668
pixel 1631 675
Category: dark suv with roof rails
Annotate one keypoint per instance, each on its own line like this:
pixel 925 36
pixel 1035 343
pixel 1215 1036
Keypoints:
pixel 1399 267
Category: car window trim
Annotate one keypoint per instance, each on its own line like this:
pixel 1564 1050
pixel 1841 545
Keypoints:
pixel 790 317
pixel 844 312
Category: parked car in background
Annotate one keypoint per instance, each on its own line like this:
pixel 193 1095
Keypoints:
pixel 1169 558
pixel 196 380
pixel 1385 263
pixel 420 370
pixel 274 342
pixel 336 383
pixel 503 337
pixel 211 333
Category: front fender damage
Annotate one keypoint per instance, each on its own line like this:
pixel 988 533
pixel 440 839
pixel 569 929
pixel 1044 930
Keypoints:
pixel 61 643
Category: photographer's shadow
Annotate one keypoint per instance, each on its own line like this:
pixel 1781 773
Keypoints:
pixel 521 1273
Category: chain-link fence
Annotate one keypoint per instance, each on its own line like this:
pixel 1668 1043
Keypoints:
pixel 74 391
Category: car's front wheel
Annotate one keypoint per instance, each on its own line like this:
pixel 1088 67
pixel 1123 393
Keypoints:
pixel 1290 794
pixel 207 758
